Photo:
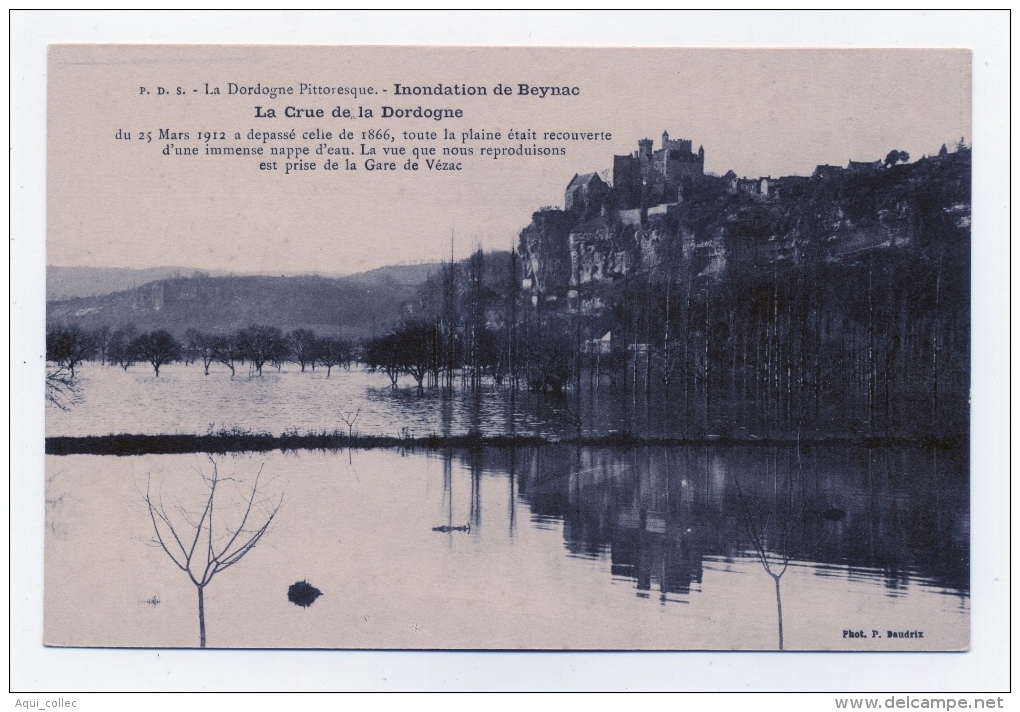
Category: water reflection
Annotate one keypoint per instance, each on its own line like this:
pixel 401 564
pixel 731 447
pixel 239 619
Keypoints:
pixel 661 514
pixel 549 546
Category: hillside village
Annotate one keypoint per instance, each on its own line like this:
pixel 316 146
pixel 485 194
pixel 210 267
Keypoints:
pixel 660 207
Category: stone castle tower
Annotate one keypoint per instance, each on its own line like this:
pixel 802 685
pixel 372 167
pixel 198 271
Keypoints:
pixel 651 177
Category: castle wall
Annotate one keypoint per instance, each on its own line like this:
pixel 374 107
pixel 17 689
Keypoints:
pixel 649 177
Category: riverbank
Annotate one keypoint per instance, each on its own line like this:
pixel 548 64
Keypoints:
pixel 244 441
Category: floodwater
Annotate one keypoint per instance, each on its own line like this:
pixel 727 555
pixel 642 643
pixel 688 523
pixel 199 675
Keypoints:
pixel 184 401
pixel 548 547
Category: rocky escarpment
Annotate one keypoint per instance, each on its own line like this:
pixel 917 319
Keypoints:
pixel 714 228
pixel 545 246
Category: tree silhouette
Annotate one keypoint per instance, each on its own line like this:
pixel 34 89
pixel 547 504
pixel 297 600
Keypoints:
pixel 302 347
pixel 770 527
pixel 331 351
pixel 896 156
pixel 62 389
pixel 158 348
pixel 261 344
pixel 68 347
pixel 200 346
pixel 101 342
pixel 119 350
pixel 382 353
pixel 350 418
pixel 228 351
pixel 416 347
pixel 550 363
pixel 412 348
pixel 203 542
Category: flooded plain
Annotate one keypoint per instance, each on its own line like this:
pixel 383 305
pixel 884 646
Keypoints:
pixel 181 400
pixel 549 547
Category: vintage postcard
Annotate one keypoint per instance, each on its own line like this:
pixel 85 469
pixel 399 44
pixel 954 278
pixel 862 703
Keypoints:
pixel 508 348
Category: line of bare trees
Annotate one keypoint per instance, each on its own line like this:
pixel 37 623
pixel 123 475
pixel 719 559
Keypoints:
pixel 471 323
pixel 777 346
pixel 878 346
pixel 255 347
pixel 793 331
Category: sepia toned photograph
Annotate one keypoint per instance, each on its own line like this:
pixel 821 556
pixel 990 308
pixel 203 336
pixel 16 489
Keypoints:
pixel 506 348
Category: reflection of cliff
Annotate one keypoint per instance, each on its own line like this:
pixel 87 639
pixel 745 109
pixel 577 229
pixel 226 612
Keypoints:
pixel 659 513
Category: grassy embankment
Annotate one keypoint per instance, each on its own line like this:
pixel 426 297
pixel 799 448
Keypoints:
pixel 247 441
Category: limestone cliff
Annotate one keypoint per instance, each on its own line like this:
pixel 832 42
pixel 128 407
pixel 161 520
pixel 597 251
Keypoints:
pixel 711 229
pixel 545 247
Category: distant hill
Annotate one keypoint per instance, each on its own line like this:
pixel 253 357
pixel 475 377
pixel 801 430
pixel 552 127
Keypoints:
pixel 407 275
pixel 356 305
pixel 71 282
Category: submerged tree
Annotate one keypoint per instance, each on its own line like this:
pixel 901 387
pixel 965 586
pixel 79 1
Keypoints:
pixel 351 417
pixel 550 363
pixel 158 348
pixel 68 347
pixel 416 343
pixel 331 351
pixel 200 346
pixel 228 351
pixel 118 350
pixel 205 540
pixel 261 344
pixel 380 354
pixel 301 343
pixel 412 349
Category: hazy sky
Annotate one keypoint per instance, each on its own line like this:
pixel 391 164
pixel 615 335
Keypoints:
pixel 121 203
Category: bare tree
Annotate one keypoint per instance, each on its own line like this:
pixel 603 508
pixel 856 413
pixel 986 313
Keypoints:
pixel 770 530
pixel 101 342
pixel 200 346
pixel 158 348
pixel 302 347
pixel 119 349
pixel 330 352
pixel 62 388
pixel 351 417
pixel 228 351
pixel 68 347
pixel 204 542
pixel 262 344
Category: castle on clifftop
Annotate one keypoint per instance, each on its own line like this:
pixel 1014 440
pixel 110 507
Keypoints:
pixel 646 177
pixel 641 180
